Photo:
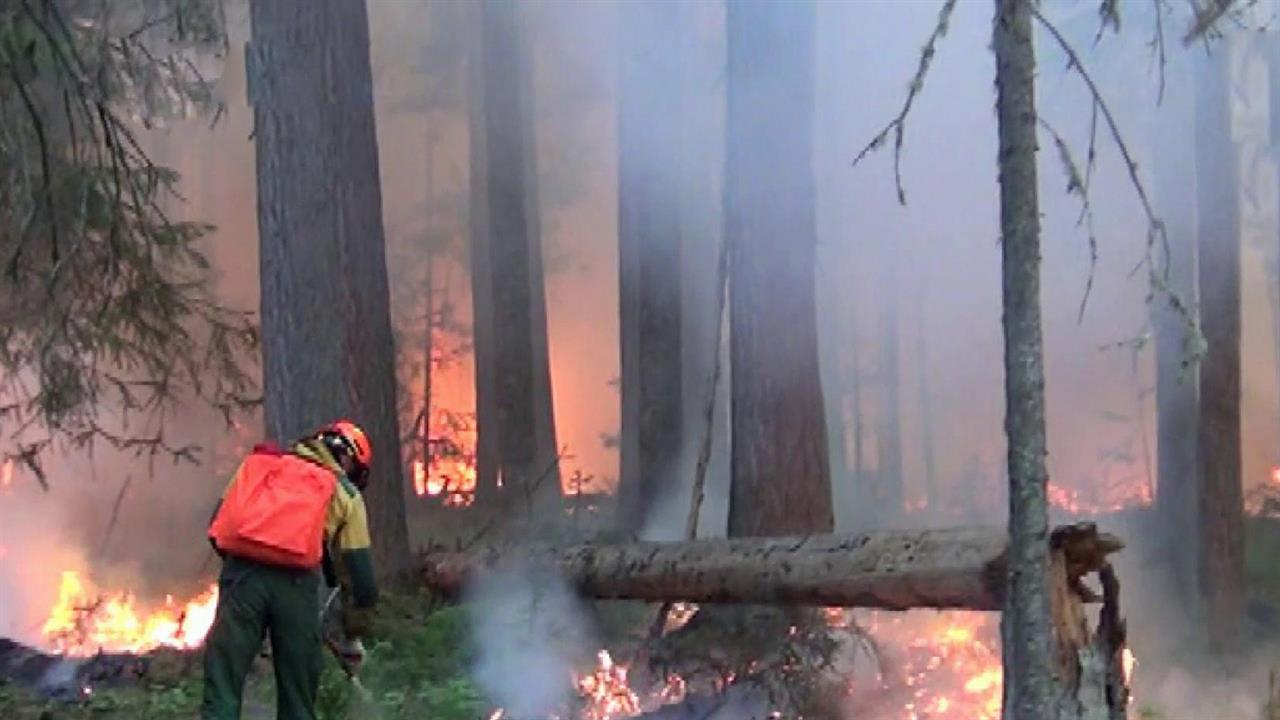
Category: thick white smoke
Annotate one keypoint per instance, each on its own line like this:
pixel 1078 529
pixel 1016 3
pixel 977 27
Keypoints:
pixel 530 631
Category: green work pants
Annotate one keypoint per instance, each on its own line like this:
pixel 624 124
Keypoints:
pixel 254 600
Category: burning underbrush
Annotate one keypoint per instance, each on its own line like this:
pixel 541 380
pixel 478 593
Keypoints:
pixel 86 622
pixel 872 665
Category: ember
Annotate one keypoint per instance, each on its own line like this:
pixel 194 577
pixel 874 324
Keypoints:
pixel 1101 500
pixel 606 691
pixel 82 623
pixel 946 665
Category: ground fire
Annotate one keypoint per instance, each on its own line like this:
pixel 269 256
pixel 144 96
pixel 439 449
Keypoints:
pixel 85 622
pixel 948 663
pixel 945 666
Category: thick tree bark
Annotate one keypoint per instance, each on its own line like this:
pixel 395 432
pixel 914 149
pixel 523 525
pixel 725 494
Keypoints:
pixel 780 467
pixel 1026 627
pixel 1221 504
pixel 1176 376
pixel 326 324
pixel 514 416
pixel 649 254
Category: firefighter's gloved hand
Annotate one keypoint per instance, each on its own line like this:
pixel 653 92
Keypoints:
pixel 352 653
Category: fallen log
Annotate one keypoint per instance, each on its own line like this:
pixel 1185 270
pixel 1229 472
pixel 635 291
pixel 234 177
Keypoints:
pixel 959 568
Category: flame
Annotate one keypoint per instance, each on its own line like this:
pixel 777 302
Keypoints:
pixel 678 616
pixel 6 474
pixel 606 691
pixel 949 663
pixel 1101 500
pixel 1263 499
pixel 83 624
pixel 449 471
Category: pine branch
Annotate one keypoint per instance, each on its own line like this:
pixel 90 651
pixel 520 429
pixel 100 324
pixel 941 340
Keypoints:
pixel 105 299
pixel 1156 234
pixel 1078 185
pixel 898 125
pixel 1157 45
pixel 1206 19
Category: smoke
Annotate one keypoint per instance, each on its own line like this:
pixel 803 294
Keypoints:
pixel 36 543
pixel 1190 693
pixel 530 632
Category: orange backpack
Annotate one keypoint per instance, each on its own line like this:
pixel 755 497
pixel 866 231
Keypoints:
pixel 274 510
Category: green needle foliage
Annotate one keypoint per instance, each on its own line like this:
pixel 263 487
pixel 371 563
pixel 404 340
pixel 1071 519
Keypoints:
pixel 106 319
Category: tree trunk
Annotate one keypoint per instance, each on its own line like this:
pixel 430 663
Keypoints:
pixel 1176 376
pixel 482 310
pixel 780 468
pixel 513 405
pixel 326 324
pixel 837 344
pixel 1273 270
pixel 546 467
pixel 923 372
pixel 859 462
pixel 1026 626
pixel 886 569
pixel 957 568
pixel 649 255
pixel 889 500
pixel 703 270
pixel 428 352
pixel 1221 505
pixel 429 322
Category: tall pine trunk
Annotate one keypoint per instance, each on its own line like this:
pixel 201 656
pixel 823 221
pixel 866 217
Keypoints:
pixel 1221 508
pixel 649 254
pixel 482 311
pixel 513 390
pixel 1176 379
pixel 925 402
pixel 780 467
pixel 889 491
pixel 1026 627
pixel 326 323
pixel 1273 269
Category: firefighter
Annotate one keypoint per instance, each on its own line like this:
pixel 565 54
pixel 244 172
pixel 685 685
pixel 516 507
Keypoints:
pixel 285 517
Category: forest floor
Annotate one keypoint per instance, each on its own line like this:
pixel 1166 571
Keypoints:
pixel 416 668
pixel 419 659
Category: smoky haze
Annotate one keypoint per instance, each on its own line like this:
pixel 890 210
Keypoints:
pixel 933 265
